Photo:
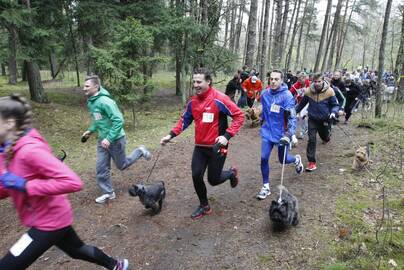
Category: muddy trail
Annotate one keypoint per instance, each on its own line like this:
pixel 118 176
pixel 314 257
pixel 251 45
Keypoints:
pixel 237 235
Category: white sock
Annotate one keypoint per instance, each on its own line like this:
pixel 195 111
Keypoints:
pixel 266 186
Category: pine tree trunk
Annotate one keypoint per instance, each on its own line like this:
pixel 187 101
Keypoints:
pixel 345 31
pixel 292 41
pixel 291 24
pixel 238 28
pixel 260 33
pixel 334 32
pixel 271 28
pixel 309 26
pixel 251 34
pixel 327 47
pixel 276 49
pixel 400 60
pixel 34 81
pixel 378 107
pixel 299 42
pixel 12 56
pixel 3 69
pixel 340 37
pixel 264 48
pixel 232 25
pixel 323 37
pixel 52 63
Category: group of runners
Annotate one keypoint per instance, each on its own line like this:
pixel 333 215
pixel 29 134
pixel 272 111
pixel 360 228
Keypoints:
pixel 38 182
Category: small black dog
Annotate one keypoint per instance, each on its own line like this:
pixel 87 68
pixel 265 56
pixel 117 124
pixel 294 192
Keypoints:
pixel 151 196
pixel 285 210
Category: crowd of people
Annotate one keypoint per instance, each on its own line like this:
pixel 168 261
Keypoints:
pixel 38 182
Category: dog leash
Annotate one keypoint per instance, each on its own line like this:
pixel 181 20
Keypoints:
pixel 154 164
pixel 283 168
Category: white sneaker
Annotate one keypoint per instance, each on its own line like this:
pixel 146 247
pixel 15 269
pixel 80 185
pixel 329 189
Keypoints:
pixel 146 154
pixel 264 192
pixel 299 164
pixel 105 197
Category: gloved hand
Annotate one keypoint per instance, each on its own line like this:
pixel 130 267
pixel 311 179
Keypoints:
pixel 284 140
pixel 294 140
pixel 12 181
pixel 341 113
pixel 333 117
pixel 165 139
pixel 221 140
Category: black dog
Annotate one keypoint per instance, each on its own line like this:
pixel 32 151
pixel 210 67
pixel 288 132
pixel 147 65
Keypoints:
pixel 151 196
pixel 285 211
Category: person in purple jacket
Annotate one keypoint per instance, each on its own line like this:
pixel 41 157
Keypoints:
pixel 38 184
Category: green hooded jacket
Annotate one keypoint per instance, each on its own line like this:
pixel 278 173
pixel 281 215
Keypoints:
pixel 106 118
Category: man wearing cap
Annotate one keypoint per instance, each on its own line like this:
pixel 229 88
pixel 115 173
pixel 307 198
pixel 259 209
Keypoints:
pixel 252 86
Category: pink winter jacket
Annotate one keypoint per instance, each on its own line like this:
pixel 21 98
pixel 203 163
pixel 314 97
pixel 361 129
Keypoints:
pixel 45 205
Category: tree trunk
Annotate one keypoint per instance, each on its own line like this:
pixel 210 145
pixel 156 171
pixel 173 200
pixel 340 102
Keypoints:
pixel 334 32
pixel 310 23
pixel 277 35
pixel 3 69
pixel 291 24
pixel 238 28
pixel 292 41
pixel 271 28
pixel 252 34
pixel 264 48
pixel 260 33
pixel 52 62
pixel 73 41
pixel 378 107
pixel 400 60
pixel 327 47
pixel 341 36
pixel 299 42
pixel 12 54
pixel 232 24
pixel 322 38
pixel 283 33
pixel 346 24
pixel 35 84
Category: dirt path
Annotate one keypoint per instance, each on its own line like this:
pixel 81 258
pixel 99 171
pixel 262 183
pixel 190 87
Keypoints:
pixel 236 236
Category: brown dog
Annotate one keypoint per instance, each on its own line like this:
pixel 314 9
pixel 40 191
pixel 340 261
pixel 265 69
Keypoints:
pixel 361 159
pixel 253 115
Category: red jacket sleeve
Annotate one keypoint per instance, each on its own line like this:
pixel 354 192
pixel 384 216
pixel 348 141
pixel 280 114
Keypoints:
pixel 185 120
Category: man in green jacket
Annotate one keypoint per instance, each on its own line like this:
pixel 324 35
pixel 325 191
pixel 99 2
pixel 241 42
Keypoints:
pixel 107 120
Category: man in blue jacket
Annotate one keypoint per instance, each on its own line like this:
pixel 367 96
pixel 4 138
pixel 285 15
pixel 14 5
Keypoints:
pixel 323 108
pixel 278 128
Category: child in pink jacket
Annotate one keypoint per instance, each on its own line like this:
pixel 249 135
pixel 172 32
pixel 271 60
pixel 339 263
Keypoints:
pixel 38 183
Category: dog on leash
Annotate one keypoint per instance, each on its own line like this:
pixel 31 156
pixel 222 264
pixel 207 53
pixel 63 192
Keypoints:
pixel 151 196
pixel 284 211
pixel 361 158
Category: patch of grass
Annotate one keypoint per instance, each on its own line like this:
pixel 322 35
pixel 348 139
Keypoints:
pixel 360 208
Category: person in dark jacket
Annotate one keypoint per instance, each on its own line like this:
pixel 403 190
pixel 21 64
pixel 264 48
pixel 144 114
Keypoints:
pixel 209 109
pixel 323 106
pixel 233 86
pixel 337 82
pixel 352 93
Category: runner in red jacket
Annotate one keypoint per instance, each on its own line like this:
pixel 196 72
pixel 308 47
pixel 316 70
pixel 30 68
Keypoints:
pixel 209 109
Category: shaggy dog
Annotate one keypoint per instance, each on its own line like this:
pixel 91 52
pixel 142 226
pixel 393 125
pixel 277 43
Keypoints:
pixel 361 158
pixel 253 115
pixel 285 210
pixel 151 196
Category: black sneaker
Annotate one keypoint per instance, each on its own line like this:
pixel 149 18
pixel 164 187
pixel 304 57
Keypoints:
pixel 234 177
pixel 201 211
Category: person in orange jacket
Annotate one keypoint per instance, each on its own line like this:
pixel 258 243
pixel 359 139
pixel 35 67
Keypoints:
pixel 252 86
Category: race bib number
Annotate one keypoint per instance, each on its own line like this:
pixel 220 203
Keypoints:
pixel 21 245
pixel 207 117
pixel 97 116
pixel 275 108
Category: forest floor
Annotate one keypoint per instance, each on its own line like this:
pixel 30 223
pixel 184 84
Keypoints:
pixel 237 235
